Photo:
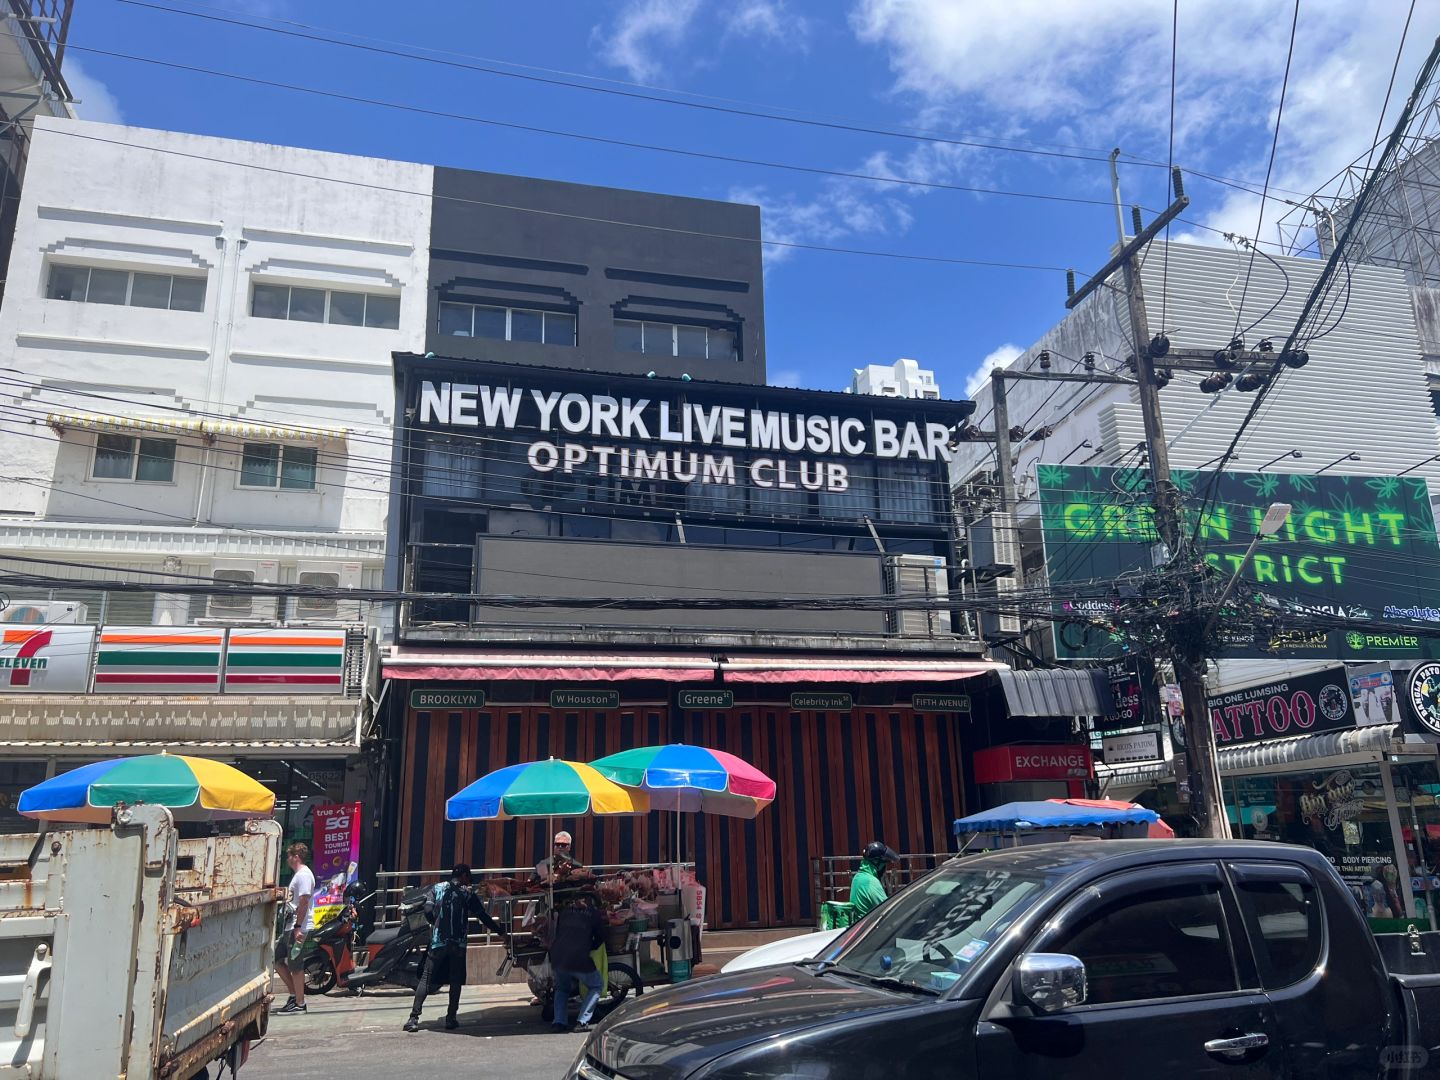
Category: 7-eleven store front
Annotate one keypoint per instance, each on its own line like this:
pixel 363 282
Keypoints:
pixel 860 749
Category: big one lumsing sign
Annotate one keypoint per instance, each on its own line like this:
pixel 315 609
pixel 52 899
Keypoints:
pixel 683 440
pixel 1354 547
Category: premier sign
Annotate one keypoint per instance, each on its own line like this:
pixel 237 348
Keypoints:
pixel 689 441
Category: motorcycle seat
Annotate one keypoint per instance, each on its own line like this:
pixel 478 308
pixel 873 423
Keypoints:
pixel 384 936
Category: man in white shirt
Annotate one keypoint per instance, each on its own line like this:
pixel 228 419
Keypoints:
pixel 295 942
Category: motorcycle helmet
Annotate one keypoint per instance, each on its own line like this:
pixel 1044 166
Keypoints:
pixel 880 852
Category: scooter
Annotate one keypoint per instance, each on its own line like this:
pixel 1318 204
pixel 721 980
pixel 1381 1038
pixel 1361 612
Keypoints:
pixel 396 954
pixel 337 941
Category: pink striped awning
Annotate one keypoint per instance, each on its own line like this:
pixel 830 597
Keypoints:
pixel 591 667
pixel 811 669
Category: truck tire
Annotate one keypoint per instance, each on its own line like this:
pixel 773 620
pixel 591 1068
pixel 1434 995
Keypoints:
pixel 319 974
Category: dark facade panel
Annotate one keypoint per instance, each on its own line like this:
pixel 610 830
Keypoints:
pixel 681 276
pixel 512 566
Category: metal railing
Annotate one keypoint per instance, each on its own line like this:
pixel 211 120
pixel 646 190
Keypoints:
pixel 832 874
pixel 391 885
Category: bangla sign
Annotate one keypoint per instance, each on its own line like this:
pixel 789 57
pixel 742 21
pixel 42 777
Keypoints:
pixel 1302 705
pixel 682 441
pixel 1361 547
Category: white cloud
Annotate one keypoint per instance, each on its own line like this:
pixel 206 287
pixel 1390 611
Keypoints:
pixel 643 30
pixel 998 358
pixel 769 20
pixel 96 101
pixel 786 377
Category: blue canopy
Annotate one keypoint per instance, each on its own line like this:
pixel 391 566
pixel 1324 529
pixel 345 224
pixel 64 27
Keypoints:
pixel 1050 815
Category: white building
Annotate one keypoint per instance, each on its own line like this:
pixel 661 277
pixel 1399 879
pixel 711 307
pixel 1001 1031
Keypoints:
pixel 197 336
pixel 904 378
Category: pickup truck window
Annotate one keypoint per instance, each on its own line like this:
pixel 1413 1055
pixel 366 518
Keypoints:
pixel 930 935
pixel 1286 927
pixel 1163 942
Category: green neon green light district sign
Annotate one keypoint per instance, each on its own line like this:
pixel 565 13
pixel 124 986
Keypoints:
pixel 1354 546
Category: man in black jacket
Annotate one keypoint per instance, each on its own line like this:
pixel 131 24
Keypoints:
pixel 449 908
pixel 579 931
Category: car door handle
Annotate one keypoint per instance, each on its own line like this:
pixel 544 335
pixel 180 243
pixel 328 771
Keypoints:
pixel 1238 1045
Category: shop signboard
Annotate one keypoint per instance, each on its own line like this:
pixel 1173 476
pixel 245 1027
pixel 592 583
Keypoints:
pixel 1301 705
pixel 584 699
pixel 822 702
pixel 1126 688
pixel 706 699
pixel 1372 691
pixel 1046 761
pixel 1131 747
pixel 337 856
pixel 1354 547
pixel 46 659
pixel 447 699
pixel 1422 699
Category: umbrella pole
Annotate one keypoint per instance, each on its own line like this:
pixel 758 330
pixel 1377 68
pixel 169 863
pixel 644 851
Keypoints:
pixel 679 887
pixel 550 877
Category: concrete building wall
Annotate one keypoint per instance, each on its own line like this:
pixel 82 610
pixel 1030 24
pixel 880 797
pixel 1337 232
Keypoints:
pixel 904 378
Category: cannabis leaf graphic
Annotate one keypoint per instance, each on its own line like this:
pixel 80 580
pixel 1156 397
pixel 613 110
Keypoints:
pixel 1263 484
pixel 1385 487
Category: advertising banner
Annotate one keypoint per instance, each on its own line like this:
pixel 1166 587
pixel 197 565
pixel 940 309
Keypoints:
pixel 46 659
pixel 337 856
pixel 1303 705
pixel 1127 688
pixel 1372 690
pixel 1356 547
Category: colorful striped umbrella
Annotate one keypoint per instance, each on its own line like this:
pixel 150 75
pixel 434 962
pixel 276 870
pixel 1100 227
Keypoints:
pixel 195 789
pixel 691 778
pixel 551 788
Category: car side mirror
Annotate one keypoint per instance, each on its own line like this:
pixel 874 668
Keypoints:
pixel 1049 982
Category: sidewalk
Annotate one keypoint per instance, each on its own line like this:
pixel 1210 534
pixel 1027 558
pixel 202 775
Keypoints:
pixel 360 1037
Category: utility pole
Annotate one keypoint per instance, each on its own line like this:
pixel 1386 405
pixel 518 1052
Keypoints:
pixel 1003 458
pixel 1203 772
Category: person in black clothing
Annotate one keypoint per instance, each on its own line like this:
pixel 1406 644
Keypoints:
pixel 579 931
pixel 449 908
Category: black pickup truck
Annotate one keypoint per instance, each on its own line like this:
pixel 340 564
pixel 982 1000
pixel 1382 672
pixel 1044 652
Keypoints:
pixel 1172 959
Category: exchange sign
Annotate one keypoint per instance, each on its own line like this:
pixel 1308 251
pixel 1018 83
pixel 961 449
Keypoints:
pixel 1354 547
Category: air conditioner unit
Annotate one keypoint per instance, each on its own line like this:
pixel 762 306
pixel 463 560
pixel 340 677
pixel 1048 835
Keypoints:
pixel 44 613
pixel 995 541
pixel 242 607
pixel 326 609
pixel 916 576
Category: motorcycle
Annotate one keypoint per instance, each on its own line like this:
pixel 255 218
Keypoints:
pixel 396 954
pixel 337 942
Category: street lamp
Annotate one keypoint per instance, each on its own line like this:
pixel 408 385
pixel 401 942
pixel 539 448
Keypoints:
pixel 1274 520
pixel 1352 456
pixel 1282 457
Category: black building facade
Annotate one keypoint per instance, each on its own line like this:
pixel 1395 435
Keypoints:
pixel 571 276
pixel 599 492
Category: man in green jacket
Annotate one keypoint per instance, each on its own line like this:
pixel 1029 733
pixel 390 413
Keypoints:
pixel 866 890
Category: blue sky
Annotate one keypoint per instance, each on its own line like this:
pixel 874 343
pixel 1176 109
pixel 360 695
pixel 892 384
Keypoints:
pixel 1026 73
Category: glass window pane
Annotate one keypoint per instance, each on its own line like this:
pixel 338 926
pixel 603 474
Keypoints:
pixel 114 457
pixel 382 312
pixel 525 325
pixel 660 338
pixel 67 283
pixel 307 305
pixel 157 461
pixel 490 323
pixel 187 294
pixel 1165 942
pixel 297 468
pixel 559 328
pixel 455 319
pixel 1287 915
pixel 107 286
pixel 690 342
pixel 628 336
pixel 260 466
pixel 722 345
pixel 150 290
pixel 347 308
pixel 270 301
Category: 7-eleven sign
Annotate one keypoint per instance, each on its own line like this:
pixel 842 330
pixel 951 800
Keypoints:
pixel 46 659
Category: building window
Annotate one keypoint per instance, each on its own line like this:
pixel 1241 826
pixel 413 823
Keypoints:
pixel 507 323
pixel 298 304
pixel 132 288
pixel 272 465
pixel 125 457
pixel 675 339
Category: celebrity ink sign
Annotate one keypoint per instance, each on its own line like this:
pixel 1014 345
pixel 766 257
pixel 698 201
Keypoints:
pixel 1302 705
pixel 682 441
pixel 1354 547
